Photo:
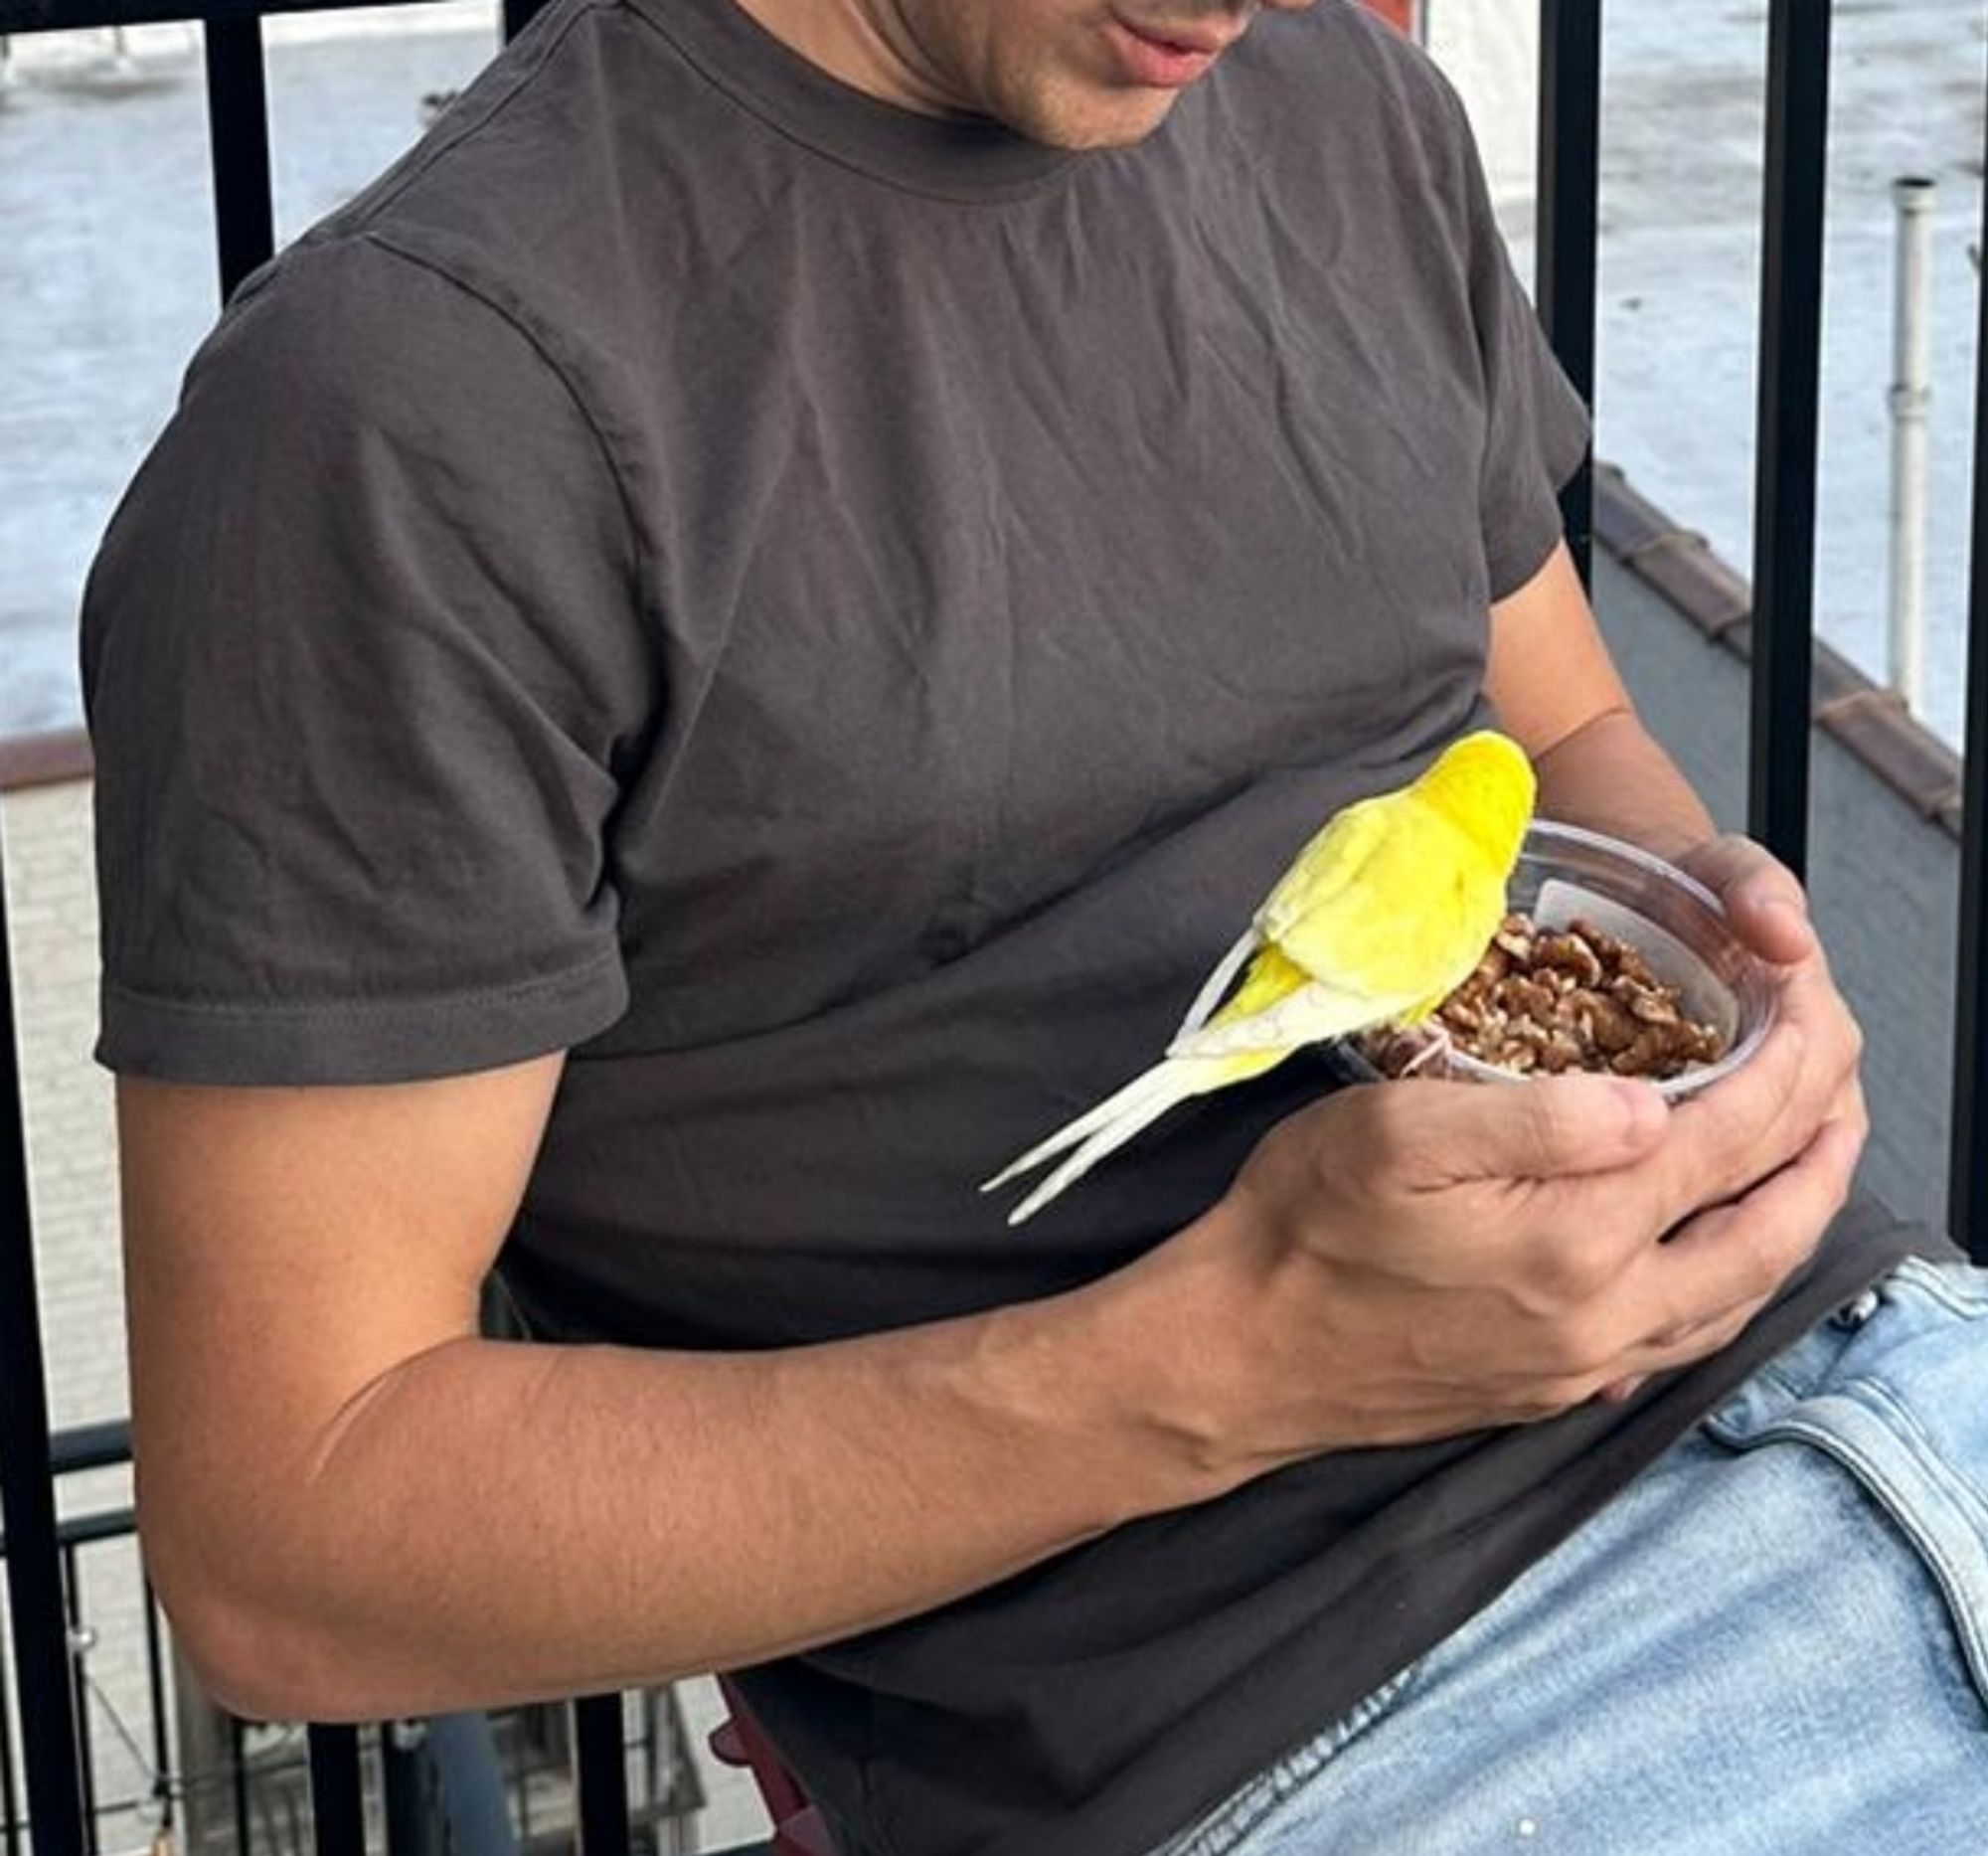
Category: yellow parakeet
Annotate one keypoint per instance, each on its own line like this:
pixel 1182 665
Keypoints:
pixel 1380 916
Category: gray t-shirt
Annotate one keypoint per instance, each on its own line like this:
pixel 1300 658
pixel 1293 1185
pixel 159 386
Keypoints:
pixel 837 616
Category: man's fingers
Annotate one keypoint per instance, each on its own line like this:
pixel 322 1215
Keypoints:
pixel 1748 1125
pixel 1762 896
pixel 1537 1130
pixel 1789 1214
pixel 1726 1262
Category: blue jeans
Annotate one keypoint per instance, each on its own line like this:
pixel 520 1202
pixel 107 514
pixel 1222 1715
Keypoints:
pixel 1775 1641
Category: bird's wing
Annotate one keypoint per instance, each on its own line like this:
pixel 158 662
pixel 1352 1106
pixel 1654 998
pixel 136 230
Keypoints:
pixel 1309 1015
pixel 1425 899
pixel 1331 862
pixel 1383 921
pixel 1216 983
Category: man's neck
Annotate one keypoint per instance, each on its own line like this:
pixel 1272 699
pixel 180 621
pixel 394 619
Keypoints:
pixel 861 43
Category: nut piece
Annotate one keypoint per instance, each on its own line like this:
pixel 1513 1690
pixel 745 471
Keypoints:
pixel 1557 999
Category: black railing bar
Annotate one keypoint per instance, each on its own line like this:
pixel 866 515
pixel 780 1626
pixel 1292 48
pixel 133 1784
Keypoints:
pixel 1967 1172
pixel 238 134
pixel 91 1447
pixel 600 1776
pixel 10 1804
pixel 403 1806
pixel 1791 273
pixel 30 16
pixel 517 14
pixel 27 1489
pixel 156 1688
pixel 338 1818
pixel 79 1647
pixel 238 1782
pixel 1567 226
pixel 86 1530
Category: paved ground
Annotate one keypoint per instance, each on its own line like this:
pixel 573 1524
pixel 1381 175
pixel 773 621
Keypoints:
pixel 106 276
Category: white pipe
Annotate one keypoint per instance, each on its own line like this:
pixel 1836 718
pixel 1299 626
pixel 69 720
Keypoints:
pixel 1911 397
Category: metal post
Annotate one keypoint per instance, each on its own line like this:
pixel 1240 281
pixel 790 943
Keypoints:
pixel 1570 147
pixel 517 14
pixel 1783 641
pixel 1967 1175
pixel 27 1481
pixel 600 1776
pixel 155 1687
pixel 237 1774
pixel 1914 197
pixel 402 1795
pixel 81 1639
pixel 10 1805
pixel 238 132
pixel 338 1817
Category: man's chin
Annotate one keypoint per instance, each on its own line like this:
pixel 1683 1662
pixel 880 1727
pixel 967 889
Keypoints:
pixel 1117 124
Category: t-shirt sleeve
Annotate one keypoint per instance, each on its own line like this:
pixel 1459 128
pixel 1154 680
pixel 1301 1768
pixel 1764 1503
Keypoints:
pixel 362 649
pixel 1536 430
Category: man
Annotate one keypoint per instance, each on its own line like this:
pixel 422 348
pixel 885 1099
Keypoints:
pixel 712 656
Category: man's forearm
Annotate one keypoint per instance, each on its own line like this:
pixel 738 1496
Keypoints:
pixel 1556 689
pixel 491 1522
pixel 1611 775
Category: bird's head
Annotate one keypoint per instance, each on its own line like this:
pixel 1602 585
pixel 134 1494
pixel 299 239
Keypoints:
pixel 1484 784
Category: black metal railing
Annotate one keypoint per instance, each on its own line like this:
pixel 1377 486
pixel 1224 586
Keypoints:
pixel 464 1785
pixel 1785 447
pixel 1968 1178
pixel 1569 218
pixel 1781 658
pixel 26 1480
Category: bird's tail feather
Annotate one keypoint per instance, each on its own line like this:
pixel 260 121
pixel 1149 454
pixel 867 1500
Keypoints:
pixel 1154 1086
pixel 1215 986
pixel 1113 1121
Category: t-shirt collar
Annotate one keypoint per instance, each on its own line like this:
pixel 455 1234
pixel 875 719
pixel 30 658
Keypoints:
pixel 961 156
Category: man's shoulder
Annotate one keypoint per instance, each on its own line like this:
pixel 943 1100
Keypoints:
pixel 344 320
pixel 520 193
pixel 1341 69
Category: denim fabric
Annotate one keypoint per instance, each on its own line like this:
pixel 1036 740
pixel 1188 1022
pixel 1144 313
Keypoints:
pixel 1775 1641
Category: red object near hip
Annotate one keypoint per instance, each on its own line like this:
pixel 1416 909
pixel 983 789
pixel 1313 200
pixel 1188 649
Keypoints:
pixel 1401 14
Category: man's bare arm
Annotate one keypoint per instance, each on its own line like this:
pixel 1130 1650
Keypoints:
pixel 1558 694
pixel 353 1506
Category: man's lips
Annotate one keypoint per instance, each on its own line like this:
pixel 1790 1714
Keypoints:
pixel 1166 58
pixel 1209 39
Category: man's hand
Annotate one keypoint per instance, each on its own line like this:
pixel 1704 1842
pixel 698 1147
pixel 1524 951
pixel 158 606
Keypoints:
pixel 1768 910
pixel 1414 1260
pixel 1764 902
pixel 1551 679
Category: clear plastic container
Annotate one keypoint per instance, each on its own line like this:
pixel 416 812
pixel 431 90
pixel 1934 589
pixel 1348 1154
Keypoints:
pixel 1674 921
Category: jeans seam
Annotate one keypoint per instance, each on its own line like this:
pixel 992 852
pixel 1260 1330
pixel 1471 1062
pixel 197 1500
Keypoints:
pixel 1258 1798
pixel 1936 1283
pixel 1920 1539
